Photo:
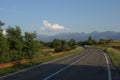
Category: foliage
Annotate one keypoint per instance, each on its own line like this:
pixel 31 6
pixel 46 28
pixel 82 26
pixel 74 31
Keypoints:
pixel 15 42
pixel 31 47
pixel 14 46
pixel 4 48
pixel 62 45
pixel 89 41
pixel 39 61
pixel 103 41
pixel 72 43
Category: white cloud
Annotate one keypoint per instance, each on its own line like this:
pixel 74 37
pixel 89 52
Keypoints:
pixel 51 27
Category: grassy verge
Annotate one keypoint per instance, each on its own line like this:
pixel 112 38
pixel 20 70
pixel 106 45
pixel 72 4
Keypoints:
pixel 115 57
pixel 114 54
pixel 29 64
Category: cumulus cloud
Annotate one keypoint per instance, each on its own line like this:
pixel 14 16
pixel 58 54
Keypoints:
pixel 51 27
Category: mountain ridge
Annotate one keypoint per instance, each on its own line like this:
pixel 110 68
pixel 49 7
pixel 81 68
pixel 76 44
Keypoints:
pixel 79 36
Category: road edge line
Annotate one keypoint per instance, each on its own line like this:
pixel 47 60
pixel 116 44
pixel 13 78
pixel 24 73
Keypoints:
pixel 108 66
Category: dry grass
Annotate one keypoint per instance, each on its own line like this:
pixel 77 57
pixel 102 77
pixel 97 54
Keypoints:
pixel 114 43
pixel 113 50
pixel 115 57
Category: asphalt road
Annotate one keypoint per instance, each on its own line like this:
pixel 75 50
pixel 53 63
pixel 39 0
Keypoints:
pixel 91 64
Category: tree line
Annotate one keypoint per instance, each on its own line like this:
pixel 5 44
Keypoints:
pixel 91 41
pixel 61 45
pixel 14 46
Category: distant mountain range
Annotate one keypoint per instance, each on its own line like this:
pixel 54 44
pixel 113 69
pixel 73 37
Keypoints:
pixel 81 36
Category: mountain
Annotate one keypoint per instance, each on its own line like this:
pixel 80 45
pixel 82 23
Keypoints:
pixel 81 36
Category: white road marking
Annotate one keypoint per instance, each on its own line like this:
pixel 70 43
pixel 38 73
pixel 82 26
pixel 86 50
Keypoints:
pixel 108 66
pixel 64 68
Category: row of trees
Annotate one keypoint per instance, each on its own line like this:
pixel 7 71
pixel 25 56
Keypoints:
pixel 14 46
pixel 62 45
pixel 91 41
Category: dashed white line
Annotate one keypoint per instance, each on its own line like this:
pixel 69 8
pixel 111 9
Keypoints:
pixel 64 68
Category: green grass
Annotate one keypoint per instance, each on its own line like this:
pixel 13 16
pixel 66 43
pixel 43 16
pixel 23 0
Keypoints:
pixel 29 64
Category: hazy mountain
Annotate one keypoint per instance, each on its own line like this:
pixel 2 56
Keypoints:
pixel 81 36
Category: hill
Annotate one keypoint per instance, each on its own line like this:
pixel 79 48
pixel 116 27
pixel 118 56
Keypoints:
pixel 81 36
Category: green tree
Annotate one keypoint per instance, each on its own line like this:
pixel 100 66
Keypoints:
pixel 62 45
pixel 103 41
pixel 4 47
pixel 90 41
pixel 56 42
pixel 72 43
pixel 57 45
pixel 31 46
pixel 15 42
pixel 66 47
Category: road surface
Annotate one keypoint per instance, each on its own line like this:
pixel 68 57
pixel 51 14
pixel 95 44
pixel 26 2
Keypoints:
pixel 91 64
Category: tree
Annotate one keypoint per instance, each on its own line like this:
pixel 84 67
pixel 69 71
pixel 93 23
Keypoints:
pixel 72 43
pixel 15 42
pixel 31 46
pixel 103 41
pixel 14 46
pixel 56 42
pixel 62 45
pixel 66 47
pixel 58 49
pixel 90 41
pixel 57 45
pixel 4 49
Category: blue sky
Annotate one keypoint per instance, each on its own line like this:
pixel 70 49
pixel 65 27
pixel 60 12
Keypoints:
pixel 58 16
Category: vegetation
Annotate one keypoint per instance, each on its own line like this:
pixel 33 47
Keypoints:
pixel 62 45
pixel 39 61
pixel 112 48
pixel 115 57
pixel 14 46
pixel 91 41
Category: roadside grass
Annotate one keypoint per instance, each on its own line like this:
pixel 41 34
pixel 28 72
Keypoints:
pixel 19 67
pixel 113 53
pixel 115 57
pixel 114 43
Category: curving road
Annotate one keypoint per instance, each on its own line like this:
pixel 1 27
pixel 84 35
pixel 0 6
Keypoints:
pixel 91 64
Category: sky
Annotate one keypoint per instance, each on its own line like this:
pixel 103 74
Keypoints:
pixel 59 16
